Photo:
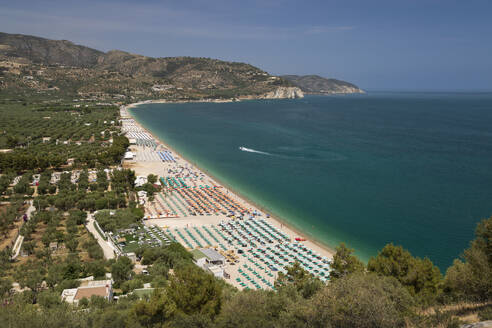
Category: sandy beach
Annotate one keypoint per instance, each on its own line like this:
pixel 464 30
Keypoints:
pixel 146 163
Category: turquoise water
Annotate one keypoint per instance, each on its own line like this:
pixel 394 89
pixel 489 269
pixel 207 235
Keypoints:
pixel 409 168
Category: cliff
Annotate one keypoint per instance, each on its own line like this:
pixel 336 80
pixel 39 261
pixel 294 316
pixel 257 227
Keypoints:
pixel 284 92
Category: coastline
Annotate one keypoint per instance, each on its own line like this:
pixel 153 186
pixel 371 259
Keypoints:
pixel 277 221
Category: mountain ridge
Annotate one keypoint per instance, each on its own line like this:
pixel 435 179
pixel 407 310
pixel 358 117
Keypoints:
pixel 47 51
pixel 31 63
pixel 38 64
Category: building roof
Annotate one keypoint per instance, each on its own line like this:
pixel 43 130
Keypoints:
pixel 197 254
pixel 87 292
pixel 212 254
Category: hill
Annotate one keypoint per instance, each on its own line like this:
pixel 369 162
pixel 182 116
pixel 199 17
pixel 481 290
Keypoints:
pixel 30 63
pixel 319 85
pixel 48 52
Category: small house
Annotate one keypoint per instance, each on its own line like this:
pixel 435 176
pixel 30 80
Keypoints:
pixel 102 288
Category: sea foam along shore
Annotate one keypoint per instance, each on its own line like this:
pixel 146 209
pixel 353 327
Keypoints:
pixel 293 232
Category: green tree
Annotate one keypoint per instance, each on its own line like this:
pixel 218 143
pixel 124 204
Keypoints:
pixel 95 268
pixel 169 255
pixel 55 274
pixel 191 321
pixel 130 285
pixel 194 291
pixel 419 276
pixel 305 283
pixel 29 246
pixel 72 267
pixel 12 141
pixel 152 178
pixel 49 299
pixel 72 244
pixel 470 278
pixel 159 269
pixel 251 309
pixel 5 287
pixel 121 270
pixel 155 312
pixel 344 262
pixel 30 275
pixel 78 216
pixel 355 300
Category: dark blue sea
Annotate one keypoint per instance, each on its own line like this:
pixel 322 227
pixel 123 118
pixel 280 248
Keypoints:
pixel 414 169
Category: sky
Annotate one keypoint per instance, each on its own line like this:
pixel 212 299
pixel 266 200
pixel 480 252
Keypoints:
pixel 378 45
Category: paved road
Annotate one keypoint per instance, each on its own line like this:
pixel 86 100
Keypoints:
pixel 106 247
pixel 20 239
pixel 17 246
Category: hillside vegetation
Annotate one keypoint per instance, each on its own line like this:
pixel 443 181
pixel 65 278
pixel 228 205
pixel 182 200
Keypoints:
pixel 29 63
pixel 319 85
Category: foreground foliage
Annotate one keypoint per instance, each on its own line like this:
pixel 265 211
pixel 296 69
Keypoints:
pixel 389 293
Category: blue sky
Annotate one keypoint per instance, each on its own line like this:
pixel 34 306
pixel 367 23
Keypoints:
pixel 379 45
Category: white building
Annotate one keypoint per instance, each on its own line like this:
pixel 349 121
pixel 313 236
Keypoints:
pixel 88 288
pixel 129 155
pixel 140 180
pixel 210 260
pixel 216 270
pixel 213 257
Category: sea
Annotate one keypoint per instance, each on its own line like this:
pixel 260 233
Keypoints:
pixel 409 168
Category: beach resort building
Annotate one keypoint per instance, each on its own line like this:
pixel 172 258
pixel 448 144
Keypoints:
pixel 210 260
pixel 205 256
pixel 216 270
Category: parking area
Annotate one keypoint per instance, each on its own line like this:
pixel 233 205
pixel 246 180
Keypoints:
pixel 129 240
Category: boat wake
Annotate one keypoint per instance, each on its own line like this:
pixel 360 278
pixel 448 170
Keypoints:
pixel 249 150
pixel 300 154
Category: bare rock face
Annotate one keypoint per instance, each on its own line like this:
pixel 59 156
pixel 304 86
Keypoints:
pixel 284 92
pixel 483 324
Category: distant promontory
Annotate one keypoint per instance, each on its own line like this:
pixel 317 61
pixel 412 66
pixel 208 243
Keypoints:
pixel 315 84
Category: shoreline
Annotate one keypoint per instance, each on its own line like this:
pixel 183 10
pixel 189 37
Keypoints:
pixel 310 241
